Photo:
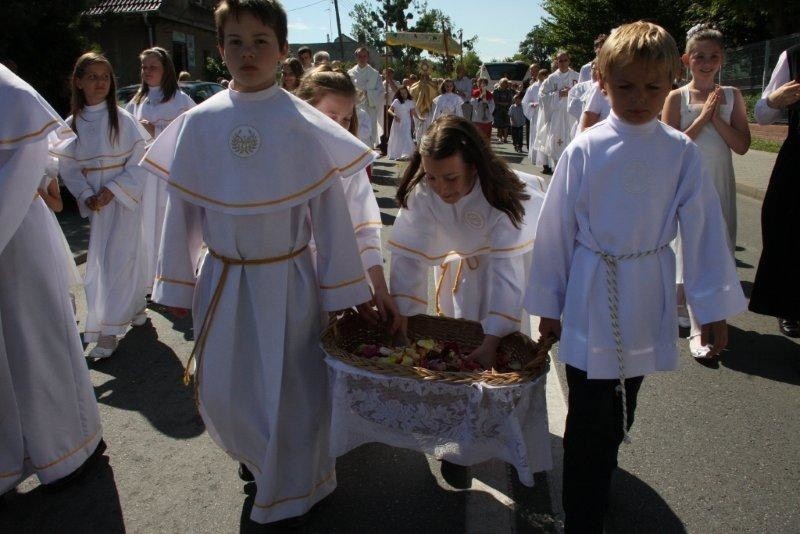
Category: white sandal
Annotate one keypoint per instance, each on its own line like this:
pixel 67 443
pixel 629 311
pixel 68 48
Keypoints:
pixel 139 319
pixel 105 347
pixel 700 352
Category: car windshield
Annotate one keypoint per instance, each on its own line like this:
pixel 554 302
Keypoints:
pixel 512 71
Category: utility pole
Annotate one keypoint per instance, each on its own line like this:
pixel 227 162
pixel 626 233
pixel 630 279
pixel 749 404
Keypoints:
pixel 339 28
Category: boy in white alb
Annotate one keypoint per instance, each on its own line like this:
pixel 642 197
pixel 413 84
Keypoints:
pixel 231 167
pixel 49 422
pixel 603 273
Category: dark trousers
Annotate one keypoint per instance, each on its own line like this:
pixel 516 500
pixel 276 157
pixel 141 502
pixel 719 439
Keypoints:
pixel 592 438
pixel 516 136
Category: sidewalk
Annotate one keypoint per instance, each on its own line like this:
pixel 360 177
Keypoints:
pixel 752 172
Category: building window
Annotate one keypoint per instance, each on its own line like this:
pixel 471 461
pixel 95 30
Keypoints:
pixel 179 51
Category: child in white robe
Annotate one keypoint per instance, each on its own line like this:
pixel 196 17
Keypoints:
pixel 403 110
pixel 715 118
pixel 530 106
pixel 448 102
pixel 157 103
pixel 255 172
pixel 101 171
pixel 49 421
pixel 603 274
pixel 332 92
pixel 468 215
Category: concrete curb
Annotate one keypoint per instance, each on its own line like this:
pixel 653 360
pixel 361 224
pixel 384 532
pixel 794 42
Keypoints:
pixel 753 192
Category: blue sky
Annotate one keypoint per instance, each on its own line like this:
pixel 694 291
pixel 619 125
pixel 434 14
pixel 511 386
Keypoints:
pixel 499 24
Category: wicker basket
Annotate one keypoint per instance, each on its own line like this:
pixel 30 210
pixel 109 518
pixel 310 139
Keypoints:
pixel 343 337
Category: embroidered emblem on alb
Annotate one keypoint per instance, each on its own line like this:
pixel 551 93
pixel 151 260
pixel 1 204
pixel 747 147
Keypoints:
pixel 636 176
pixel 474 219
pixel 244 141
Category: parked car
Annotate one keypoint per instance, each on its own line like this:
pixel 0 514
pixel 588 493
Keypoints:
pixel 516 72
pixel 197 91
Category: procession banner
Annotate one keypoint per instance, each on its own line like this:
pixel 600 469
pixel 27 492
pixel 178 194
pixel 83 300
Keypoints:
pixel 432 42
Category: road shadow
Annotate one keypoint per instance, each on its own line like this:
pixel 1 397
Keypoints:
pixel 770 356
pixel 183 325
pixel 89 504
pixel 742 265
pixel 387 218
pixel 384 176
pixel 635 507
pixel 747 288
pixel 387 202
pixel 371 497
pixel 148 378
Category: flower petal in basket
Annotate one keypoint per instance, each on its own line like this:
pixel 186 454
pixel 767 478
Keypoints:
pixel 341 339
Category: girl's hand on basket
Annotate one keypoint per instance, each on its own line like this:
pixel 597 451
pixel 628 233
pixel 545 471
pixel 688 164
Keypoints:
pixel 487 351
pixel 368 313
pixel 387 309
pixel 549 328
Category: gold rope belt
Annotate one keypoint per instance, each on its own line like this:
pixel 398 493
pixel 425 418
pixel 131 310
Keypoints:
pixel 200 342
pixel 445 268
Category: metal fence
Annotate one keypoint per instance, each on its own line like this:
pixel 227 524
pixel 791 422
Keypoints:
pixel 749 67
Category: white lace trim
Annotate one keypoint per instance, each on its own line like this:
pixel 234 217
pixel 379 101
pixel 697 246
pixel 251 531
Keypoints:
pixel 462 423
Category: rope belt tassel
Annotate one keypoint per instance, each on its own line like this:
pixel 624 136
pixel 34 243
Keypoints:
pixel 613 307
pixel 200 343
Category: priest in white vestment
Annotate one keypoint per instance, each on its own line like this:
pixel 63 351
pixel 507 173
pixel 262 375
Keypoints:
pixel 556 128
pixel 370 91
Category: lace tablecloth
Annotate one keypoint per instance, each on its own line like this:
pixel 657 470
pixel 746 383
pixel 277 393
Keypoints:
pixel 462 423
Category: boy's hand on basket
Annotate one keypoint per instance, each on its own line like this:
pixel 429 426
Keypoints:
pixel 714 335
pixel 387 309
pixel 487 351
pixel 401 336
pixel 549 328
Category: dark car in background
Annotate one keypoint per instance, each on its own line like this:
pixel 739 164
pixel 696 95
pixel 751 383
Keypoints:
pixel 197 91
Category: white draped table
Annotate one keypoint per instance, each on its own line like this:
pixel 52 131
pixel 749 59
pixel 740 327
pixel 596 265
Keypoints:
pixel 461 423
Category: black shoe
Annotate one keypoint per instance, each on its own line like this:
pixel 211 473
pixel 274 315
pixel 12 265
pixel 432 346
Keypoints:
pixel 245 474
pixel 75 475
pixel 547 170
pixel 789 327
pixel 291 522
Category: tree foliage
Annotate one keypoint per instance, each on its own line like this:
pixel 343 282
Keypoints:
pixel 42 37
pixel 574 24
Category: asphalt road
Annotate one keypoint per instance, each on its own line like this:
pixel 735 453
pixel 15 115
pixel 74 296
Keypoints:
pixel 714 449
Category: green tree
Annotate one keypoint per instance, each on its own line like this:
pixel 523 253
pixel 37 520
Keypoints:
pixel 43 38
pixel 535 48
pixel 471 63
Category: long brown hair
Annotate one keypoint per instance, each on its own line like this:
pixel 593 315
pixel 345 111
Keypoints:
pixel 78 99
pixel 169 80
pixel 449 135
pixel 324 80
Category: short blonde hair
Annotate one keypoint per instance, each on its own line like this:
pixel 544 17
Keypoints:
pixel 639 41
